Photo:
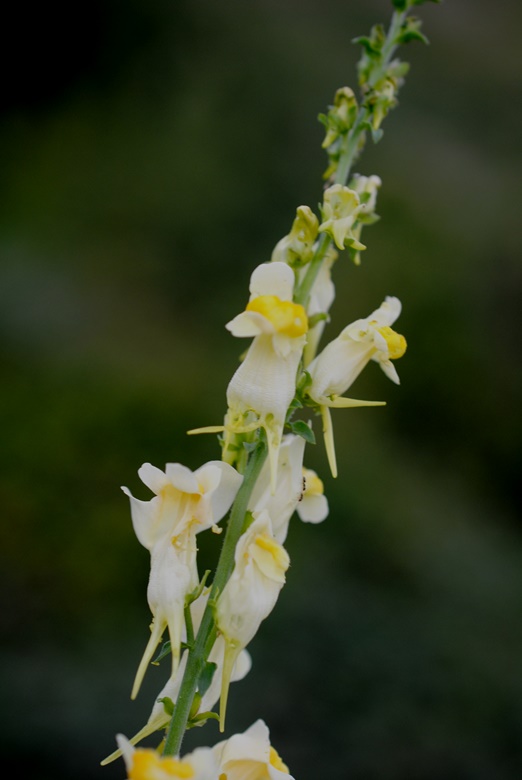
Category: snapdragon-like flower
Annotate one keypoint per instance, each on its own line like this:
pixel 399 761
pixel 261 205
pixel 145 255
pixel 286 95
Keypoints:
pixel 296 249
pixel 250 756
pixel 293 490
pixel 160 715
pixel 147 764
pixel 366 187
pixel 263 386
pixel 186 503
pixel 250 594
pixel 336 368
pixel 340 211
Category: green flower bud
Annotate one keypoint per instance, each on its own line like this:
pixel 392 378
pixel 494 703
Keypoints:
pixel 340 212
pixel 340 117
pixel 296 249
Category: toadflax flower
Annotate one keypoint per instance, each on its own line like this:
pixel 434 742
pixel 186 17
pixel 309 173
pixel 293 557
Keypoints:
pixel 147 764
pixel 340 211
pixel 160 715
pixel 293 491
pixel 263 386
pixel 186 503
pixel 250 756
pixel 250 594
pixel 334 370
pixel 366 187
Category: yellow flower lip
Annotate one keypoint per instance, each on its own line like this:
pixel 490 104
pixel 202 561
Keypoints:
pixel 148 765
pixel 395 341
pixel 288 318
pixel 277 551
pixel 277 762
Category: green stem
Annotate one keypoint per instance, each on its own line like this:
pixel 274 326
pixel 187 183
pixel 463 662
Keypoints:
pixel 189 626
pixel 207 633
pixel 389 48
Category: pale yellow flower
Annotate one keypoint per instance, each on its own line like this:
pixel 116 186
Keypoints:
pixel 250 756
pixel 250 594
pixel 335 369
pixel 186 503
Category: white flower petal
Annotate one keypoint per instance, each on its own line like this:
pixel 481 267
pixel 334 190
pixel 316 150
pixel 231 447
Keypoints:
pixel 387 312
pixel 281 504
pixel 335 369
pixel 390 371
pixel 313 509
pixel 144 515
pixel 203 761
pixel 152 477
pixel 126 748
pixel 249 324
pixel 220 483
pixel 181 478
pixel 272 279
pixel 252 745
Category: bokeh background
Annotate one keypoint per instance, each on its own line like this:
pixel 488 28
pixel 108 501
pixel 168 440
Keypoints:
pixel 153 152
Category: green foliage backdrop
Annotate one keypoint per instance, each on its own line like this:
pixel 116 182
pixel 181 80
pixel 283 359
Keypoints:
pixel 153 157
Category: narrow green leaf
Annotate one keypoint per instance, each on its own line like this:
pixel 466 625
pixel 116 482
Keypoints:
pixel 205 678
pixel 201 719
pixel 249 519
pixel 165 650
pixel 300 428
pixel 168 705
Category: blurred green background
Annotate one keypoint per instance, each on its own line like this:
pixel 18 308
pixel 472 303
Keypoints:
pixel 153 153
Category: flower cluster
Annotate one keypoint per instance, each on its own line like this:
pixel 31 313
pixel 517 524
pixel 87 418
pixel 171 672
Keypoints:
pixel 283 380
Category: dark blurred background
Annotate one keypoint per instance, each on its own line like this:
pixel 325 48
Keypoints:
pixel 153 152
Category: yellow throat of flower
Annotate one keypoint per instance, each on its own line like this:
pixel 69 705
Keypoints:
pixel 313 486
pixel 287 318
pixel 396 343
pixel 148 765
pixel 277 762
pixel 270 556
